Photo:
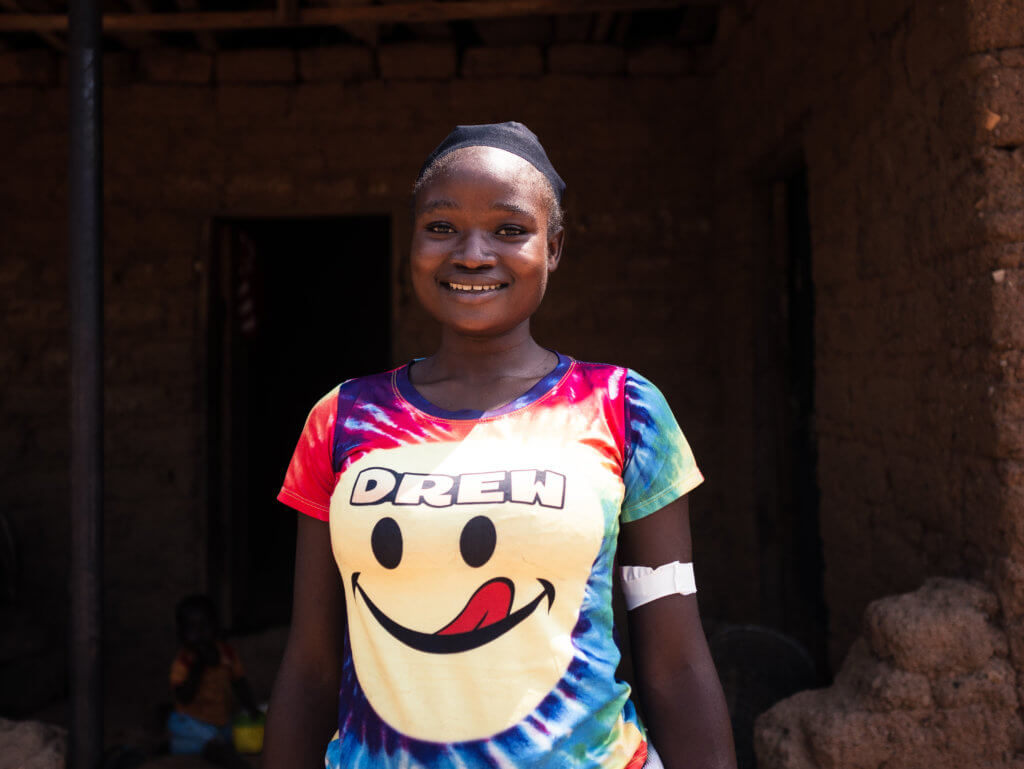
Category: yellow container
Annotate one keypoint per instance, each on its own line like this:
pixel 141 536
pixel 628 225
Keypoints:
pixel 247 734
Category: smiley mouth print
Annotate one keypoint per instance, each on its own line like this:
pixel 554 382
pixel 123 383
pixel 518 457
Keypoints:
pixel 485 617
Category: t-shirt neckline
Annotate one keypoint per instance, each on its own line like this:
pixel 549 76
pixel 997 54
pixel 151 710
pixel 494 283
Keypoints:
pixel 543 386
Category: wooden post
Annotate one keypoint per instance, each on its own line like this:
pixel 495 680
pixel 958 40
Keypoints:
pixel 85 195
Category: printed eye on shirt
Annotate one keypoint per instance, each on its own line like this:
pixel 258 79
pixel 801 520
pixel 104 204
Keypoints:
pixel 454 571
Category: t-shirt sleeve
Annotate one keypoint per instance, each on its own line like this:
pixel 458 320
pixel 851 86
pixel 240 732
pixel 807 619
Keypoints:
pixel 310 479
pixel 659 466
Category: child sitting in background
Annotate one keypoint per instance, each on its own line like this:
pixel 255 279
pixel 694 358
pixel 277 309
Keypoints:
pixel 203 676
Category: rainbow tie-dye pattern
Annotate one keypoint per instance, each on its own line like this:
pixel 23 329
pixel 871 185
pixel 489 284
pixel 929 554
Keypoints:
pixel 476 553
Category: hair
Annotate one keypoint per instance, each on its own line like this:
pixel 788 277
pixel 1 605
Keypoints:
pixel 441 165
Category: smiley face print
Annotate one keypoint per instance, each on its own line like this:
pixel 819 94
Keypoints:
pixel 465 566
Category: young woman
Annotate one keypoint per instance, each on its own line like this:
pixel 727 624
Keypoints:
pixel 473 502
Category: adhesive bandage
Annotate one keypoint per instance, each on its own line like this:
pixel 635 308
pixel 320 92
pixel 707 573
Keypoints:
pixel 642 584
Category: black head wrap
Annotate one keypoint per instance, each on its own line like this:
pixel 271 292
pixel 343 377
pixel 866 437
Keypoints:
pixel 511 137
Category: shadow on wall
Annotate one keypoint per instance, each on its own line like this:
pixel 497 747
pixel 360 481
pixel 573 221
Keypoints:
pixel 758 667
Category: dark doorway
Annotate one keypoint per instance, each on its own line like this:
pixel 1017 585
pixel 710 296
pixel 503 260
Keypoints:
pixel 786 483
pixel 296 306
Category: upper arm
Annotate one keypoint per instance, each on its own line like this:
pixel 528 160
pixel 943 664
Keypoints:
pixel 658 538
pixel 318 606
pixel 665 634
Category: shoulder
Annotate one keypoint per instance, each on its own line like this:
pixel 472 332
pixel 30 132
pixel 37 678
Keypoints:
pixel 619 380
pixel 641 390
pixel 603 376
pixel 340 397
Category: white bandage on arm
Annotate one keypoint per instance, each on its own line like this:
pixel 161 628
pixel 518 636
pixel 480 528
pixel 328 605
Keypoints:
pixel 642 584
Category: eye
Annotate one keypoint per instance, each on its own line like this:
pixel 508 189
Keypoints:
pixel 386 541
pixel 440 228
pixel 477 541
pixel 511 230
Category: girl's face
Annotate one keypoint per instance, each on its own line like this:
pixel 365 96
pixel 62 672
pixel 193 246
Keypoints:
pixel 481 251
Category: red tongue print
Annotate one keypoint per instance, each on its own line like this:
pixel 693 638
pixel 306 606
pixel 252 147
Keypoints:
pixel 489 604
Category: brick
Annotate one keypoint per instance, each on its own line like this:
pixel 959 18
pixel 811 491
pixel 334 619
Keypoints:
pixel 498 61
pixel 267 65
pixel 1000 101
pixel 523 30
pixel 583 59
pixel 28 68
pixel 660 60
pixel 332 64
pixel 994 24
pixel 169 65
pixel 242 103
pixel 417 61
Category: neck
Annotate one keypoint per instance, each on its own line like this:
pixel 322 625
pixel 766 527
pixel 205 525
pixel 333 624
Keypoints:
pixel 475 357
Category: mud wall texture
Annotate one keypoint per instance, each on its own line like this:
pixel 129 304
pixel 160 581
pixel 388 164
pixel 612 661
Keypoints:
pixel 930 686
pixel 908 117
pixel 910 121
pixel 191 136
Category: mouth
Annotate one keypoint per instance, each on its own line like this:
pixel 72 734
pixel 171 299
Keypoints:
pixel 484 618
pixel 472 288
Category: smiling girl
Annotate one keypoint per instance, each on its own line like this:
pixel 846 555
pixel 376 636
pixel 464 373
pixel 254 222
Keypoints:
pixel 473 503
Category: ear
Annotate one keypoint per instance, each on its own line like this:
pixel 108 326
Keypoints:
pixel 555 243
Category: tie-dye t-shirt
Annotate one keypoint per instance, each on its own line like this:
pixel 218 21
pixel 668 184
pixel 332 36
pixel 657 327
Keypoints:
pixel 476 551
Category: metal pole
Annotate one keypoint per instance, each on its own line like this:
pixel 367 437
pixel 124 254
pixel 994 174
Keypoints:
pixel 85 195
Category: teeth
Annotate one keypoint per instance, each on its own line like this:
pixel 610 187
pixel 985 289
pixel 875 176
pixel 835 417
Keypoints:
pixel 463 287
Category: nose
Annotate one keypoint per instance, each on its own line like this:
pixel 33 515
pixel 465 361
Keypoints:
pixel 473 252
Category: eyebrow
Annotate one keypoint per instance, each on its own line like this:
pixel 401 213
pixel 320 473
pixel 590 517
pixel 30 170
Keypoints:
pixel 511 208
pixel 436 204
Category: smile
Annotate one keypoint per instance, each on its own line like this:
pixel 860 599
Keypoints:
pixel 469 288
pixel 484 618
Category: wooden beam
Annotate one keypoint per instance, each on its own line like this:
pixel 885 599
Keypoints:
pixel 419 11
pixel 50 39
pixel 288 10
pixel 204 39
pixel 140 39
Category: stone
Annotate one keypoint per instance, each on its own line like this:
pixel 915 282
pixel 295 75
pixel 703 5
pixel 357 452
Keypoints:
pixel 993 686
pixel 940 627
pixel 32 745
pixel 879 715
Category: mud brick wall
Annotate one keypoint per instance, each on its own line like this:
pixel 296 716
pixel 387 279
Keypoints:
pixel 191 136
pixel 909 118
pixel 907 114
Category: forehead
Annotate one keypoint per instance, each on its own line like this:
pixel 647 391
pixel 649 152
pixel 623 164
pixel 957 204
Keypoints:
pixel 472 172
